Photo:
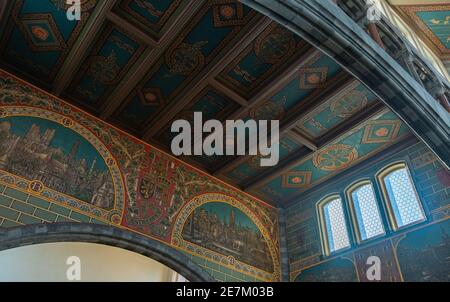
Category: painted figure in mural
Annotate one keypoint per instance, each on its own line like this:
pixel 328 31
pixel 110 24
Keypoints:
pixel 34 150
pixel 226 230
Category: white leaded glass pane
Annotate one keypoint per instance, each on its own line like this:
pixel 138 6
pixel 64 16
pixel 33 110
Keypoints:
pixel 335 225
pixel 404 201
pixel 367 212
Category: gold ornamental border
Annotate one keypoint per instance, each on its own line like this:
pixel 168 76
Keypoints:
pixel 94 141
pixel 178 241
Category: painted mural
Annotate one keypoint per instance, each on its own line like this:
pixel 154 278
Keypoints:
pixel 149 15
pixel 56 156
pixel 419 253
pixel 227 230
pixel 273 48
pixel 209 33
pixel 367 139
pixel 432 22
pixel 337 270
pixel 388 264
pixel 337 109
pixel 154 193
pixel 424 255
pixel 39 37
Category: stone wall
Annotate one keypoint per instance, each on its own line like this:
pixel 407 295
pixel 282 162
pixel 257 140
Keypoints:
pixel 417 253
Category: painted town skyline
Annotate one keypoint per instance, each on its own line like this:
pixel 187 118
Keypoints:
pixel 227 230
pixel 39 149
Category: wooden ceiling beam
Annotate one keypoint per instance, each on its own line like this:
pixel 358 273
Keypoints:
pixel 349 125
pixel 187 94
pixel 301 153
pixel 304 140
pixel 358 118
pixel 234 163
pixel 124 24
pixel 2 10
pixel 147 60
pixel 277 83
pixel 229 92
pixel 262 96
pixel 269 90
pixel 316 98
pixel 82 45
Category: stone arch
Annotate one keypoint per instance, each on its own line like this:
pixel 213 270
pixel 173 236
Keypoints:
pixel 106 235
pixel 199 200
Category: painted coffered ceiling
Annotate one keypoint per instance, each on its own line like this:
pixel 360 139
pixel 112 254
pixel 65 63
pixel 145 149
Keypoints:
pixel 430 20
pixel 140 64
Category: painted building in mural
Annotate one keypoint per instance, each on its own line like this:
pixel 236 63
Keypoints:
pixel 86 109
pixel 227 230
pixel 59 158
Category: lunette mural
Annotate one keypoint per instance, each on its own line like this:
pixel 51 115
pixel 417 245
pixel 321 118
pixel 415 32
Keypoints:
pixel 56 156
pixel 426 251
pixel 227 230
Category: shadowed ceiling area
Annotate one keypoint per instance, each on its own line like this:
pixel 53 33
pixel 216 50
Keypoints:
pixel 141 64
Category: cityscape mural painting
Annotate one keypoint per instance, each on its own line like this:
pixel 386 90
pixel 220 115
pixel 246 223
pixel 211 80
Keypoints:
pixel 336 270
pixel 227 230
pixel 42 150
pixel 426 251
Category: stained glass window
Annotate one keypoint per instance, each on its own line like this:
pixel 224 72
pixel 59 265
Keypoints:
pixel 366 212
pixel 334 223
pixel 400 193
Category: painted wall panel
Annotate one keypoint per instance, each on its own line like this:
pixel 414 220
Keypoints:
pixel 418 253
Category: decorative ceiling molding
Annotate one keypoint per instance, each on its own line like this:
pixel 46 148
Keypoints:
pixel 229 92
pixel 431 22
pixel 199 82
pixel 136 31
pixel 81 46
pixel 290 121
pixel 348 127
pixel 147 60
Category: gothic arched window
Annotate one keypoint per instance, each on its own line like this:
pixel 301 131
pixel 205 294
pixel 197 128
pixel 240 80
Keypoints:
pixel 365 212
pixel 334 232
pixel 400 195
